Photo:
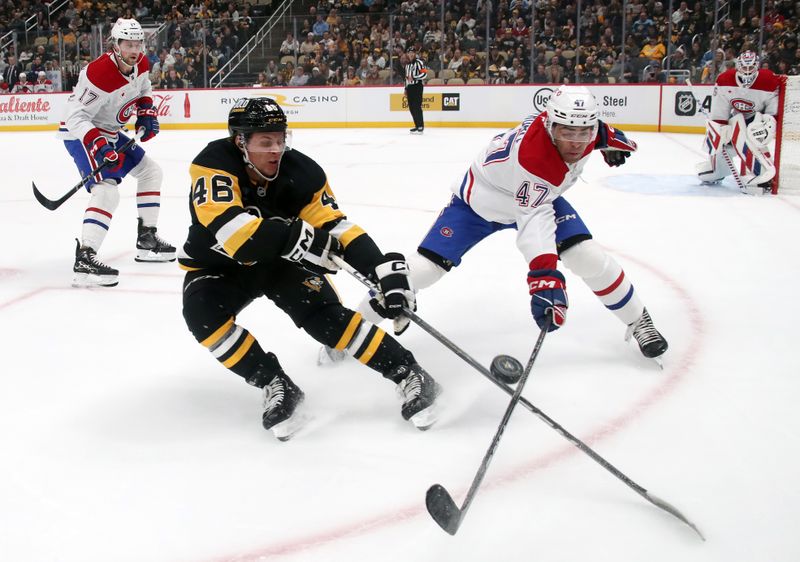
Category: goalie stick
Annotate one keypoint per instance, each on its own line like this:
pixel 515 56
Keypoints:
pixel 584 448
pixel 438 500
pixel 55 204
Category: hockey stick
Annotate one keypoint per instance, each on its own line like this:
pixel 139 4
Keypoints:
pixel 418 321
pixel 652 498
pixel 55 204
pixel 725 156
pixel 438 500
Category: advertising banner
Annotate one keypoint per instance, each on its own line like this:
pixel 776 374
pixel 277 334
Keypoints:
pixel 643 107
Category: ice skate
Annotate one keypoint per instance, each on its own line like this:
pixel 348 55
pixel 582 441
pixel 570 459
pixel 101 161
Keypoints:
pixel 89 271
pixel 151 248
pixel 651 343
pixel 329 356
pixel 418 391
pixel 417 130
pixel 284 412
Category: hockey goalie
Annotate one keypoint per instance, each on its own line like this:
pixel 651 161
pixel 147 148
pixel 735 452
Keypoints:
pixel 741 126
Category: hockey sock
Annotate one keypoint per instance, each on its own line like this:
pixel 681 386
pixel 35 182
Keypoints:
pixel 238 351
pixel 97 217
pixel 345 330
pixel 148 191
pixel 605 278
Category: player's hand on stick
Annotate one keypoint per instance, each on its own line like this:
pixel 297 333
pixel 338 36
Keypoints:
pixel 311 247
pixel 395 290
pixel 100 150
pixel 615 158
pixel 147 119
pixel 548 290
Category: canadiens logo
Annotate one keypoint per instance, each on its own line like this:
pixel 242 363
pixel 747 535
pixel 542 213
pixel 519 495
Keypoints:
pixel 313 283
pixel 743 105
pixel 126 112
pixel 446 231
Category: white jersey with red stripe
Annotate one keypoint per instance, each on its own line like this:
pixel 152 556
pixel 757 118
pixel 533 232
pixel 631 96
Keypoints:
pixel 104 99
pixel 516 178
pixel 729 98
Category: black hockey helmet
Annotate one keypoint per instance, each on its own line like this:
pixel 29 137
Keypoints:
pixel 252 115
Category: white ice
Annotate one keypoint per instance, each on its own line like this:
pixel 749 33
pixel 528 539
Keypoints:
pixel 122 439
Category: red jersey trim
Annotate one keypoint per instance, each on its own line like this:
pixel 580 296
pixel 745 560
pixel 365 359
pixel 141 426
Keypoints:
pixel 539 156
pixel 104 74
pixel 766 81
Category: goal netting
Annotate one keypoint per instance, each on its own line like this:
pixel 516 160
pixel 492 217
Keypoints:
pixel 787 142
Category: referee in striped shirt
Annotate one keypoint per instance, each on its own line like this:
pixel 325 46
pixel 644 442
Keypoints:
pixel 415 74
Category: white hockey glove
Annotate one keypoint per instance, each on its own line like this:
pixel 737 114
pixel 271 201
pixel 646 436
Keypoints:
pixel 311 248
pixel 395 291
pixel 761 130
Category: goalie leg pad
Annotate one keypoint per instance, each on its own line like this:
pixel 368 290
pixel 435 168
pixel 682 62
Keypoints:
pixel 754 158
pixel 605 278
pixel 103 202
pixel 715 169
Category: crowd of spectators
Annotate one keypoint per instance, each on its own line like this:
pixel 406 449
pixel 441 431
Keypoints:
pixel 199 36
pixel 364 42
pixel 343 42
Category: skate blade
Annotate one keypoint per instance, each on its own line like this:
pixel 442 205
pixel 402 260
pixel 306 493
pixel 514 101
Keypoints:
pixel 329 356
pixel 81 280
pixel 289 428
pixel 425 419
pixel 150 256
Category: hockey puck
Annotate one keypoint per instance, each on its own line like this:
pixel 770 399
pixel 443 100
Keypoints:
pixel 506 369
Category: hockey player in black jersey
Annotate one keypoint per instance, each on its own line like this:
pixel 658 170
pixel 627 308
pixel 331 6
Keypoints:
pixel 265 223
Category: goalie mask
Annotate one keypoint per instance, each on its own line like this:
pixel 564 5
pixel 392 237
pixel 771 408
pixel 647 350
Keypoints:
pixel 576 108
pixel 746 69
pixel 260 115
pixel 127 42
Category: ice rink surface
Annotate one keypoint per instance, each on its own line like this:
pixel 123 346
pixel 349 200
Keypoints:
pixel 124 440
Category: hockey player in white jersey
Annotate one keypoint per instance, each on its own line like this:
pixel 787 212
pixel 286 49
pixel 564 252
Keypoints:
pixel 741 124
pixel 517 181
pixel 110 90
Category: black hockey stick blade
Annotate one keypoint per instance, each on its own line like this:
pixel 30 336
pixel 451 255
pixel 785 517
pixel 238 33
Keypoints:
pixel 443 509
pixel 48 203
pixel 55 204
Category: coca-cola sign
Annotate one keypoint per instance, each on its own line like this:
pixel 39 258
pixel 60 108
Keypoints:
pixel 163 107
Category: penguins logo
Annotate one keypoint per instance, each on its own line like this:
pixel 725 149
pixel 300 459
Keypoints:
pixel 313 283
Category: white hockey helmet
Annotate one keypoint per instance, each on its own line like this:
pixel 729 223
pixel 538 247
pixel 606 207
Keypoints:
pixel 127 29
pixel 573 106
pixel 746 69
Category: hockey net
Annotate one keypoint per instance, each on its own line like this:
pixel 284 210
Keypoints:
pixel 787 138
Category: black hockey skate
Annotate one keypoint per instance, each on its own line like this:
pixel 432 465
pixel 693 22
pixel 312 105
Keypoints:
pixel 283 412
pixel 418 391
pixel 651 342
pixel 89 272
pixel 151 248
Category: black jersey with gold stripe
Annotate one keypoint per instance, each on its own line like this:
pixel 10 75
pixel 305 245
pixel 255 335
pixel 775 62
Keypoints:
pixel 237 222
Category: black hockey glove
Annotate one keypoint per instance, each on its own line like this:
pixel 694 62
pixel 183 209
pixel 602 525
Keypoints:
pixel 395 290
pixel 615 158
pixel 311 248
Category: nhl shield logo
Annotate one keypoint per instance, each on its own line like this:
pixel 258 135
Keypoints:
pixel 685 104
